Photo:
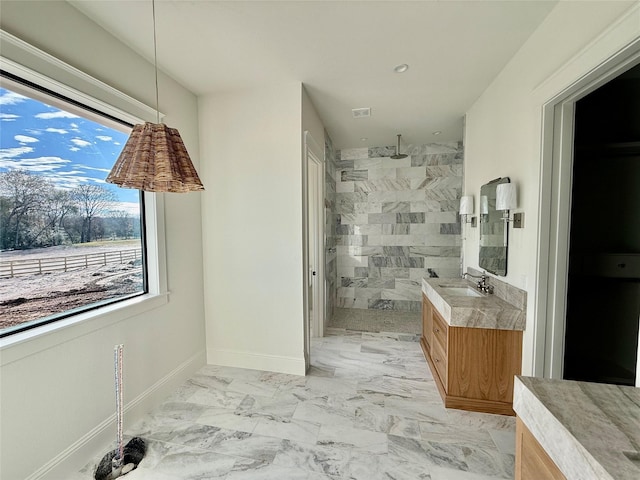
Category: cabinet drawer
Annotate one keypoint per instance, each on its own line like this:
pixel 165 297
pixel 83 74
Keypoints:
pixel 440 361
pixel 440 330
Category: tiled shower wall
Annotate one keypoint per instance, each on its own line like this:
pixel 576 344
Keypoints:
pixel 331 258
pixel 394 220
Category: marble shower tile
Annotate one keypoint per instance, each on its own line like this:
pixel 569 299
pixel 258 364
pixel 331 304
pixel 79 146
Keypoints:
pixel 386 151
pixel 353 153
pixel 378 173
pixel 345 187
pixel 367 164
pixel 354 175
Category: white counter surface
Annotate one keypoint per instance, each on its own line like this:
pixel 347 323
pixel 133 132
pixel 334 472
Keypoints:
pixel 486 311
pixel 590 430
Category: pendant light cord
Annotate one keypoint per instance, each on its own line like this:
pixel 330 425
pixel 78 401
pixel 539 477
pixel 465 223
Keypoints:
pixel 155 58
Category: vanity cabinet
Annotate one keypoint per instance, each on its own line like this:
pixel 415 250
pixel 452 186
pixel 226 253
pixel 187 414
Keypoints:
pixel 532 461
pixel 473 367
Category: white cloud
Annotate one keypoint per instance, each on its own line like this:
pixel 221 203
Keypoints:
pixel 104 138
pixel 25 139
pixel 74 149
pixel 14 152
pixel 132 208
pixel 79 142
pixel 11 98
pixel 87 167
pixel 116 143
pixel 40 164
pixel 56 130
pixel 58 114
pixel 8 117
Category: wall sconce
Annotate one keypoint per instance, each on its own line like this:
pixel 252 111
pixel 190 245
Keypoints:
pixel 506 195
pixel 466 207
pixel 484 205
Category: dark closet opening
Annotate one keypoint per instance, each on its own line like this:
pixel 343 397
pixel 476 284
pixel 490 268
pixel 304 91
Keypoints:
pixel 603 296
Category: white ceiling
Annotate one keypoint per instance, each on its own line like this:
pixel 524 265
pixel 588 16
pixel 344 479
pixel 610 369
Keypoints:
pixel 343 51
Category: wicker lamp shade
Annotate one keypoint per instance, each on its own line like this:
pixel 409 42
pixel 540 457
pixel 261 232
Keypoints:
pixel 154 159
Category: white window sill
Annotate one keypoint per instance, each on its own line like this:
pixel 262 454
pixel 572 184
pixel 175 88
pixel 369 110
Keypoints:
pixel 37 339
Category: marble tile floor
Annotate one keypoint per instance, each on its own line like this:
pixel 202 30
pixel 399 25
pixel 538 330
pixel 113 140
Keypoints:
pixel 371 320
pixel 368 409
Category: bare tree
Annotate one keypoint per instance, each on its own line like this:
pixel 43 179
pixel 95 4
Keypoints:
pixel 122 224
pixel 92 201
pixel 23 200
pixel 60 204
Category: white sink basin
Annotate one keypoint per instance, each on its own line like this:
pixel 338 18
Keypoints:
pixel 461 291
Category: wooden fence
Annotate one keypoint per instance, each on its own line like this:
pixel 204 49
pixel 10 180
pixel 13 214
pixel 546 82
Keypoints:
pixel 35 266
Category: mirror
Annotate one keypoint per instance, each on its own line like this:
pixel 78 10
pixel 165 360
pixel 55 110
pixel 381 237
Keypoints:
pixel 493 231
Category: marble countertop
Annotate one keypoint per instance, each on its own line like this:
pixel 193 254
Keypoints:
pixel 590 430
pixel 486 311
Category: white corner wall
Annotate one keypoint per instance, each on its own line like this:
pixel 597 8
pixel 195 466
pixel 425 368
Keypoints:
pixel 56 400
pixel 503 132
pixel 251 141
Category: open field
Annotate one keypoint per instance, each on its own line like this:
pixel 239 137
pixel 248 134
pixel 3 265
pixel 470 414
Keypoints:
pixel 32 297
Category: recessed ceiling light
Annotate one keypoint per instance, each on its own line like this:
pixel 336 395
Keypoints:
pixel 437 132
pixel 401 68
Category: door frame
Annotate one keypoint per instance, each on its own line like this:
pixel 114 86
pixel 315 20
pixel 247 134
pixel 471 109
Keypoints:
pixel 313 155
pixel 555 206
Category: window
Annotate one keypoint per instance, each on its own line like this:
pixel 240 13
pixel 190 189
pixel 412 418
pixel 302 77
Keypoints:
pixel 69 242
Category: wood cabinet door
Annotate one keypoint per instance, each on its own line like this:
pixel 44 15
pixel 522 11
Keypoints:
pixel 532 461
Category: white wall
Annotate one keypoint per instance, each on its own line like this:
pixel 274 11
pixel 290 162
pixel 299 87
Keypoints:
pixel 503 131
pixel 252 227
pixel 56 392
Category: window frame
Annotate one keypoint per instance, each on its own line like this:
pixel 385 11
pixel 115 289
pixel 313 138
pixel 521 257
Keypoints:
pixel 26 62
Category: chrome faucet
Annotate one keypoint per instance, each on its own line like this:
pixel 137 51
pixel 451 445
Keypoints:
pixel 482 284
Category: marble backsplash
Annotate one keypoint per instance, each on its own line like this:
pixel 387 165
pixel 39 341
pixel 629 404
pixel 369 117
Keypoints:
pixel 502 290
pixel 394 220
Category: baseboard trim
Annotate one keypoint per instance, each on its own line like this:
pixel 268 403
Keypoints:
pixel 100 438
pixel 257 361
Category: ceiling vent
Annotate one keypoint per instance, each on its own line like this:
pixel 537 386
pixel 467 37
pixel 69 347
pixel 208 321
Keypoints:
pixel 361 112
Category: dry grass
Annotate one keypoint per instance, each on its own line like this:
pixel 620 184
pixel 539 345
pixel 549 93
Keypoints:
pixel 34 297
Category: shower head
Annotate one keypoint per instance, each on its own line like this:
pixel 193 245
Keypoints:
pixel 398 154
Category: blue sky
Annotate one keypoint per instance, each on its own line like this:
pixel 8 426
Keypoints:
pixel 66 149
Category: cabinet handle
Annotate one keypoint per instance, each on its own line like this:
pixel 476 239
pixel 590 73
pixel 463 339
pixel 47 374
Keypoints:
pixel 437 330
pixel 437 361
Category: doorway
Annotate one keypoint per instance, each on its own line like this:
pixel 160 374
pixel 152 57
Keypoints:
pixel 577 283
pixel 603 283
pixel 315 240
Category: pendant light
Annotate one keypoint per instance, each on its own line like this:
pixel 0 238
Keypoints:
pixel 155 159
